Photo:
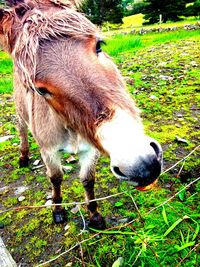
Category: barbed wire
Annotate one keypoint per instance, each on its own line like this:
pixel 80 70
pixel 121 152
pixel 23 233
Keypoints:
pixel 78 244
pixel 121 226
pixel 96 199
pixel 173 166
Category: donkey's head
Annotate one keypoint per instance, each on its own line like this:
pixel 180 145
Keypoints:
pixel 57 53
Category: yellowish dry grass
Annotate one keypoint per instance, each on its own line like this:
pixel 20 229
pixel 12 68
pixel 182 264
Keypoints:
pixel 133 21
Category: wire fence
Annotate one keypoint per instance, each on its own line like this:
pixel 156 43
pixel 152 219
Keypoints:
pixel 125 225
pixel 114 230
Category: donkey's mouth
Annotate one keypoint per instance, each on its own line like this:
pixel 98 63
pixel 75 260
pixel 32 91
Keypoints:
pixel 144 186
pixel 130 182
pixel 147 187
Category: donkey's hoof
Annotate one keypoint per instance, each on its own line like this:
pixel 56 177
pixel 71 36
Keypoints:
pixel 59 216
pixel 97 222
pixel 23 162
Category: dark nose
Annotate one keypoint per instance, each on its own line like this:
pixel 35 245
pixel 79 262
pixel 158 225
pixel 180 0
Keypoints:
pixel 149 167
pixel 146 169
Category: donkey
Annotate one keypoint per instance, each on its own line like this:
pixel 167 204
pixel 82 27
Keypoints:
pixel 71 96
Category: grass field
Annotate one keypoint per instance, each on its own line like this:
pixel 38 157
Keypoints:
pixel 123 43
pixel 155 228
pixel 136 22
pixel 5 73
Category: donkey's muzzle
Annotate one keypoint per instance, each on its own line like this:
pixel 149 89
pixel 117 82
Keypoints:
pixel 147 171
pixel 144 170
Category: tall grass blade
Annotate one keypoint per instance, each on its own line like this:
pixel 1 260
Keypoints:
pixel 188 236
pixel 190 244
pixel 175 224
pixel 182 237
pixel 165 216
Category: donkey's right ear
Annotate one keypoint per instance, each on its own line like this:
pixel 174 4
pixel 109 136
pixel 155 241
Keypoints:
pixel 1 14
pixel 4 16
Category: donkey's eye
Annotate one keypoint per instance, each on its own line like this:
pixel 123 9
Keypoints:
pixel 98 46
pixel 42 91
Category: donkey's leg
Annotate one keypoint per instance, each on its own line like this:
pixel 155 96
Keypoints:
pixel 55 173
pixel 24 146
pixel 88 161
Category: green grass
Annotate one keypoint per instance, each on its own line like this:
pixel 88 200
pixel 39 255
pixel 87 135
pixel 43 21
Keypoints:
pixel 120 43
pixel 6 67
pixel 123 43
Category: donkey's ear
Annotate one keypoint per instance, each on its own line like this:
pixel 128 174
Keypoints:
pixel 13 3
pixel 1 14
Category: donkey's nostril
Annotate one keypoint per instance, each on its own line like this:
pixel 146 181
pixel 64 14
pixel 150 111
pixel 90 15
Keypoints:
pixel 118 172
pixel 156 147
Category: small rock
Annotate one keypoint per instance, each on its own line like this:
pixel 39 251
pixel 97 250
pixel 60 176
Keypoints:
pixel 67 168
pixel 75 209
pixel 184 54
pixel 15 144
pixel 179 115
pixel 153 97
pixel 166 78
pixel 4 189
pixel 37 167
pixel 21 198
pixel 21 189
pixel 193 63
pixel 36 162
pixel 67 227
pixel 49 196
pixel 162 64
pixel 49 203
pixel 181 140
pixel 71 160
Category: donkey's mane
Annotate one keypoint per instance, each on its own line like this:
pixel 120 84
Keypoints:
pixel 39 25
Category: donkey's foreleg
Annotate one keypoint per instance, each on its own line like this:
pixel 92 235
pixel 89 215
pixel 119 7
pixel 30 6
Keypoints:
pixel 88 161
pixel 55 173
pixel 24 146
